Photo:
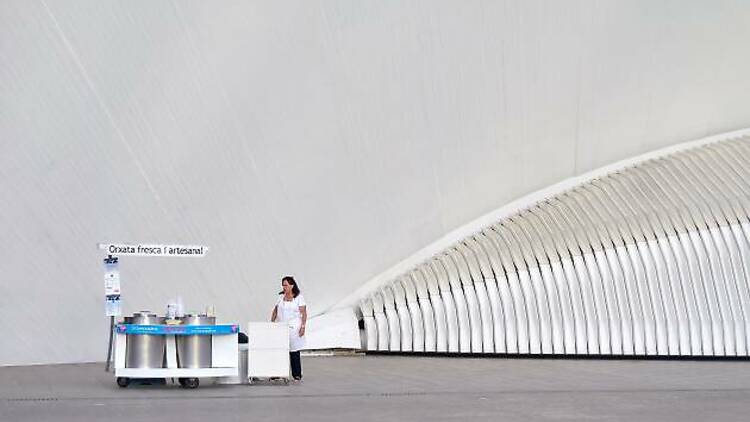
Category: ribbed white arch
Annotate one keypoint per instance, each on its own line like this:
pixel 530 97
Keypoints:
pixel 538 259
pixel 391 315
pixel 531 269
pixel 716 248
pixel 431 307
pixel 483 300
pixel 656 326
pixel 519 299
pixel 457 263
pixel 451 313
pixel 655 273
pixel 596 237
pixel 371 328
pixel 461 311
pixel 415 314
pixel 739 212
pixel 669 252
pixel 404 317
pixel 623 243
pixel 599 277
pixel 707 258
pixel 506 300
pixel 578 276
pixel 478 245
pixel 612 246
pixel 652 259
pixel 565 274
pixel 558 256
pixel 381 322
pixel 563 330
pixel 726 218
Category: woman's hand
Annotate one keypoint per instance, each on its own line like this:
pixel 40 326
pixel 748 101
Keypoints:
pixel 303 314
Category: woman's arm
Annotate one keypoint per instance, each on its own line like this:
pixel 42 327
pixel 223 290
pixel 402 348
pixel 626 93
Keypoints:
pixel 273 314
pixel 303 314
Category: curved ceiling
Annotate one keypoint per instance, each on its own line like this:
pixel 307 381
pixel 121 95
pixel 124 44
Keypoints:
pixel 322 139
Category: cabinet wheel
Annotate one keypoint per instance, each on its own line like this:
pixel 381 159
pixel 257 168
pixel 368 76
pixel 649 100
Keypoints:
pixel 189 382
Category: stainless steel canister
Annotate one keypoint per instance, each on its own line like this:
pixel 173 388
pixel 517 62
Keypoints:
pixel 144 350
pixel 194 351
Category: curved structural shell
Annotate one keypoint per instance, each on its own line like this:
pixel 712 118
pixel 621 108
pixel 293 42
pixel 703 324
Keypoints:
pixel 649 258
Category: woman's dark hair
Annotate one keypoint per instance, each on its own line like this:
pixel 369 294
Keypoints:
pixel 289 279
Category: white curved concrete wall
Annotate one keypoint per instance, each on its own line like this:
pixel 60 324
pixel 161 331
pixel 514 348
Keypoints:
pixel 324 139
pixel 650 259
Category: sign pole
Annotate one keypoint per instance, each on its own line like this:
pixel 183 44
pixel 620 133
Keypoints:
pixel 109 348
pixel 112 300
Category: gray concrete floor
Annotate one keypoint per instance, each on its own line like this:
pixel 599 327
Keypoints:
pixel 396 388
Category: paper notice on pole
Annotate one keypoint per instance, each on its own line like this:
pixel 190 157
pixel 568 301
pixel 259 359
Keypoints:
pixel 111 279
pixel 113 306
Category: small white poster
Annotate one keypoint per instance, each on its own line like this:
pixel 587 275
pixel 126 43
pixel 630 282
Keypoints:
pixel 111 279
pixel 112 304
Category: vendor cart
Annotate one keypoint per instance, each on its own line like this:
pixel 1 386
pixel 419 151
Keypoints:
pixel 185 352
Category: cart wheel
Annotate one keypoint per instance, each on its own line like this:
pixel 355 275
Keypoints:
pixel 189 382
pixel 123 382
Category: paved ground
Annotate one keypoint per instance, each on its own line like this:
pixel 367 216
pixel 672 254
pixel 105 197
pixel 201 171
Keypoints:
pixel 397 388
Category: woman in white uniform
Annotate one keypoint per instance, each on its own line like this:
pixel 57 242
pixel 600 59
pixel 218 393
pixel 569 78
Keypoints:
pixel 291 309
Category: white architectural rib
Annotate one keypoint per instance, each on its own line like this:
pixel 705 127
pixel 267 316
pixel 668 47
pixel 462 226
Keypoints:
pixel 650 259
pixel 433 314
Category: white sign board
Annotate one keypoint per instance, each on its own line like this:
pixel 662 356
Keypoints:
pixel 111 279
pixel 113 306
pixel 166 250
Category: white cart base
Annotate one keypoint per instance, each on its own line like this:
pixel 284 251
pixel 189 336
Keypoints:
pixel 224 360
pixel 176 372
